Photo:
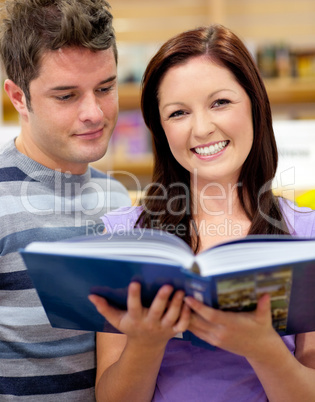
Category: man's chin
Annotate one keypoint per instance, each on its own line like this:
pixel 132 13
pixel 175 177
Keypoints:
pixel 92 155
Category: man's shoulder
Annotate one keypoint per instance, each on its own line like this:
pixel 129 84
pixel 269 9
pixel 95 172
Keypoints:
pixel 9 169
pixel 98 174
pixel 118 193
pixel 6 150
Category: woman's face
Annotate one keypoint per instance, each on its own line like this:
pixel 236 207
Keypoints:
pixel 207 118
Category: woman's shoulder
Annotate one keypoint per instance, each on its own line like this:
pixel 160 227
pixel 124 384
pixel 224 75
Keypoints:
pixel 121 219
pixel 300 220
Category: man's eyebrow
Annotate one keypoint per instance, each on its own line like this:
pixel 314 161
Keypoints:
pixel 69 87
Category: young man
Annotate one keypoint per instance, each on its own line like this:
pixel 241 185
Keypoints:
pixel 60 58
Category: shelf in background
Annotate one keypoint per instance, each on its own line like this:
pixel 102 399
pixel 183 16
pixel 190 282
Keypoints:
pixel 280 91
pixel 129 96
pixel 290 90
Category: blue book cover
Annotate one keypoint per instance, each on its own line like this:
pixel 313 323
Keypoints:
pixel 231 276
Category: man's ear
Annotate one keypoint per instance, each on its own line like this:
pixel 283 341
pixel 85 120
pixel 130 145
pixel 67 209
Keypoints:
pixel 17 97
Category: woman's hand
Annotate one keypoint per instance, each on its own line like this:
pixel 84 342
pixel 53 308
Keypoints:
pixel 150 326
pixel 245 333
pixel 128 365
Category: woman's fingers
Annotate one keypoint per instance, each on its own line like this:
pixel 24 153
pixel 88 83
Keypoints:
pixel 184 320
pixel 112 314
pixel 263 309
pixel 209 314
pixel 160 303
pixel 100 303
pixel 134 304
pixel 173 312
pixel 167 310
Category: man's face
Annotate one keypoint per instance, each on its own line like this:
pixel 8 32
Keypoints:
pixel 74 109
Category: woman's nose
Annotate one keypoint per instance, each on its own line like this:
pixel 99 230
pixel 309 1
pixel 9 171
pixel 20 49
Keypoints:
pixel 202 125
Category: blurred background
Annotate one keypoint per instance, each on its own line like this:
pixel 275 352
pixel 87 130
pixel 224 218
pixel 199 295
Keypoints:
pixel 279 33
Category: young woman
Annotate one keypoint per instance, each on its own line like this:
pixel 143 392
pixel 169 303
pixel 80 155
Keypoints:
pixel 215 158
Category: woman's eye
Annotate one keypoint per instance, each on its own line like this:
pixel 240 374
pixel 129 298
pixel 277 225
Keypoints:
pixel 221 102
pixel 177 113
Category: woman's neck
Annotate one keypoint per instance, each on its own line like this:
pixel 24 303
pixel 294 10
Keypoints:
pixel 219 215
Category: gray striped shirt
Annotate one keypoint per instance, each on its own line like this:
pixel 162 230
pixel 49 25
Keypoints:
pixel 38 362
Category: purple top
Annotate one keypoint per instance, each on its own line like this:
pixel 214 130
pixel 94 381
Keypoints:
pixel 190 373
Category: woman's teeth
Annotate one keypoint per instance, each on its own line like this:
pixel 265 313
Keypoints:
pixel 212 149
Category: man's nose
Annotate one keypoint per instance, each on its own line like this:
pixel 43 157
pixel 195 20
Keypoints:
pixel 90 109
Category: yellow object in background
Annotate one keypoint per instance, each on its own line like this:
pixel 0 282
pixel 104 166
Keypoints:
pixel 306 199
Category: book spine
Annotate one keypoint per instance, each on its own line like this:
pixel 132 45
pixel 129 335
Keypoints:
pixel 199 287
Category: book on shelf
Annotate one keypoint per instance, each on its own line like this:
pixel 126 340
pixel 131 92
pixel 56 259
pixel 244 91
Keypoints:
pixel 230 276
pixel 130 137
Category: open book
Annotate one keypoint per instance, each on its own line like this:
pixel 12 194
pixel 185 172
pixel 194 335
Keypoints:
pixel 231 276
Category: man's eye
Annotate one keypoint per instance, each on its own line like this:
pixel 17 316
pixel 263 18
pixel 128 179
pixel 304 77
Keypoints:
pixel 64 97
pixel 105 89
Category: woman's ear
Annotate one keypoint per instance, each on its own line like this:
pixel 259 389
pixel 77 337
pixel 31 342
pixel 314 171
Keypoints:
pixel 17 97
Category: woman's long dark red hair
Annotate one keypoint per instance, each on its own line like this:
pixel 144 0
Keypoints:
pixel 258 171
